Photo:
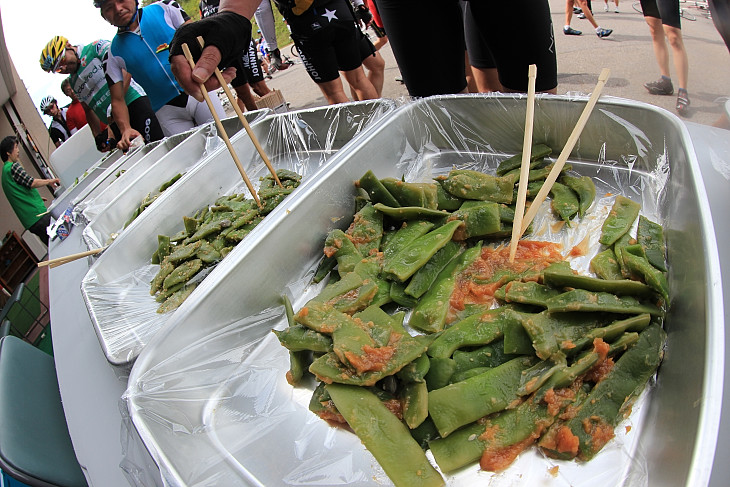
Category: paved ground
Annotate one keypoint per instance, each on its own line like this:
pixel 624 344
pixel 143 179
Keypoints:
pixel 627 53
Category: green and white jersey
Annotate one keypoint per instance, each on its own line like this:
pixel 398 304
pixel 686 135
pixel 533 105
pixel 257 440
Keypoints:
pixel 90 84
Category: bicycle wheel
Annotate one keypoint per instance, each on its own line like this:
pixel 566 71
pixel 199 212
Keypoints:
pixel 294 51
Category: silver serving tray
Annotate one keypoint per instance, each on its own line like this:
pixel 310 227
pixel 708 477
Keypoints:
pixel 208 395
pixel 88 179
pixel 116 288
pixel 147 175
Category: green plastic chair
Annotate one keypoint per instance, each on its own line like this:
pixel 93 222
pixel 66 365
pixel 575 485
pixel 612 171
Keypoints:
pixel 35 446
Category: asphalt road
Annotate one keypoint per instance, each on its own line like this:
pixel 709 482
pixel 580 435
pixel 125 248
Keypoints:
pixel 628 53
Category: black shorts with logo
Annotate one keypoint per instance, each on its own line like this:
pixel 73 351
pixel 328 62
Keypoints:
pixel 328 40
pixel 248 68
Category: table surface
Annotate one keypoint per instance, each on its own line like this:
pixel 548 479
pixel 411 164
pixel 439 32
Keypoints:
pixel 91 388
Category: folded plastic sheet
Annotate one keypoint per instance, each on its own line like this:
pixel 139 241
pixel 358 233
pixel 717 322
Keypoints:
pixel 209 397
pixel 116 288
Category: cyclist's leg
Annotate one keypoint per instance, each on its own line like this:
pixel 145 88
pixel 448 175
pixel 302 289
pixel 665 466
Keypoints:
pixel 481 61
pixel 143 119
pixel 374 63
pixel 264 16
pixel 199 112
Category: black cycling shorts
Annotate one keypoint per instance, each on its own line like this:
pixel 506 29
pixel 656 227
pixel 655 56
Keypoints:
pixel 721 18
pixel 328 40
pixel 666 10
pixel 512 53
pixel 367 48
pixel 480 56
pixel 248 69
pixel 434 64
pixel 143 120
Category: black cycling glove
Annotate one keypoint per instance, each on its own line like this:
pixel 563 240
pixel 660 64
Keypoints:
pixel 363 14
pixel 228 31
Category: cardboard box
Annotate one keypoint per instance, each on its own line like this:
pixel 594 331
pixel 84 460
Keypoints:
pixel 274 100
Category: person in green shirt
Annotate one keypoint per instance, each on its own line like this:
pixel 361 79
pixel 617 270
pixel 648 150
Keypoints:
pixel 20 190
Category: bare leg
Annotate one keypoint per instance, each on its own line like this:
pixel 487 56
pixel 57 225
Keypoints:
pixel 471 83
pixel 334 92
pixel 245 100
pixel 260 88
pixel 658 42
pixel 568 11
pixel 587 12
pixel 679 54
pixel 487 80
pixel 380 42
pixel 375 65
pixel 361 84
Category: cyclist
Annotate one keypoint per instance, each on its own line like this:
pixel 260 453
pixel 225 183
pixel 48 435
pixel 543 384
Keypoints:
pixel 90 85
pixel 58 129
pixel 141 48
pixel 328 40
pixel 249 74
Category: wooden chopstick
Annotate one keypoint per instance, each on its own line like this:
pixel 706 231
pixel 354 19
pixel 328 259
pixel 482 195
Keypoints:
pixel 243 120
pixel 567 149
pixel 69 258
pixel 221 130
pixel 525 165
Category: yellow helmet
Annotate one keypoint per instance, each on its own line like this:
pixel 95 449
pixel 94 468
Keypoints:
pixel 53 53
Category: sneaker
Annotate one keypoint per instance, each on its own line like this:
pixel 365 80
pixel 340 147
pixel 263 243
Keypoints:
pixel 601 32
pixel 605 8
pixel 276 61
pixel 616 9
pixel 569 31
pixel 663 86
pixel 577 10
pixel 581 15
pixel 682 102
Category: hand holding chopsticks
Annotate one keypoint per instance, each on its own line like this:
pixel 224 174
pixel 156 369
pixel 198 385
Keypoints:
pixel 525 165
pixel 243 120
pixel 221 129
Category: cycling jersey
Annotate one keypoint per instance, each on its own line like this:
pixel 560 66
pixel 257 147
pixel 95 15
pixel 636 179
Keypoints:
pixel 88 81
pixel 144 52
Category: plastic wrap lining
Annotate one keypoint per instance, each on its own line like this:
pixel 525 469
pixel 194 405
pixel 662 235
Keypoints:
pixel 209 396
pixel 116 289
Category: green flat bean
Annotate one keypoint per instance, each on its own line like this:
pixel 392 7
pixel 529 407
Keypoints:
pixel 471 331
pixel 430 313
pixel 385 437
pixel 480 220
pixel 409 231
pixel 182 273
pixel 341 247
pixel 564 201
pixel 490 355
pixel 585 188
pixel 424 277
pixel 366 230
pixel 606 266
pixel 378 193
pixel 439 373
pixel 639 266
pixel 582 300
pixel 474 185
pixel 537 153
pixel 619 287
pixel 414 400
pixel 554 333
pixel 410 212
pixel 447 201
pixel 177 298
pixel 399 296
pixel 529 292
pixel 650 236
pixel 297 338
pixel 412 194
pixel 461 403
pixel 619 220
pixel 411 258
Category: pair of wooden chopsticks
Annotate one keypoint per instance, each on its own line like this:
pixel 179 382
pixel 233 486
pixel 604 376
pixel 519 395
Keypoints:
pixel 521 222
pixel 222 131
pixel 69 258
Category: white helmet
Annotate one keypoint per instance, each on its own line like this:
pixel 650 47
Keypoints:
pixel 46 103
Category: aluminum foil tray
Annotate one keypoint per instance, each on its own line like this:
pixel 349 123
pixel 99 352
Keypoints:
pixel 209 397
pixel 112 208
pixel 116 288
pixel 88 180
